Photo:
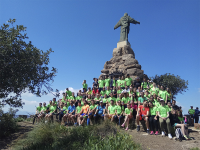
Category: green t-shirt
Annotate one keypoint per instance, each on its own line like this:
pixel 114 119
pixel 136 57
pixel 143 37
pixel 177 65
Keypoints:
pixel 169 108
pixel 118 82
pixel 163 111
pixel 97 99
pixel 114 83
pixel 119 109
pixel 85 85
pixel 108 92
pixel 65 109
pixel 72 97
pixel 69 93
pixel 122 82
pixel 103 92
pixel 112 109
pixel 52 108
pixel 101 83
pixel 148 96
pixel 125 100
pixel 168 96
pixel 135 100
pixel 141 99
pixel 39 108
pixel 128 111
pixel 78 108
pixel 78 97
pixel 180 118
pixel 138 94
pixel 157 103
pixel 154 91
pixel 54 102
pixel 89 92
pixel 104 100
pixel 162 94
pixel 128 81
pixel 63 99
pixel 191 111
pixel 107 82
pixel 44 108
pixel 144 85
pixel 92 107
pixel 119 91
pixel 119 99
pixel 112 98
pixel 153 110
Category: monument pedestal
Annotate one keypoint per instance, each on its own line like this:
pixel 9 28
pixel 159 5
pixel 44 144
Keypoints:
pixel 123 43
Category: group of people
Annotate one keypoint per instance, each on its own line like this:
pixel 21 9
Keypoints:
pixel 119 100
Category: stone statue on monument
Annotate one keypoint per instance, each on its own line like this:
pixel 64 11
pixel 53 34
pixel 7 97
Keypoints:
pixel 124 22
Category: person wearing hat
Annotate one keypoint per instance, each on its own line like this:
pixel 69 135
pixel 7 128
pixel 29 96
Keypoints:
pixel 128 81
pixel 191 111
pixel 137 83
pixel 196 115
pixel 163 113
pixel 100 112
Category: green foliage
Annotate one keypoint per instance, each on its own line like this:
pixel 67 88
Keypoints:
pixel 54 136
pixel 196 148
pixel 174 83
pixel 23 66
pixel 8 124
pixel 19 119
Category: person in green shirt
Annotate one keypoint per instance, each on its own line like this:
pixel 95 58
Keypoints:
pixel 133 97
pixel 163 113
pixel 107 82
pixel 154 89
pixel 68 92
pixel 144 84
pixel 119 113
pixel 85 86
pixel 169 95
pixel 97 99
pixel 141 99
pixel 113 82
pixel 79 97
pixel 103 92
pixel 54 101
pixel 105 100
pixel 112 98
pixel 156 100
pixel 111 111
pixel 53 110
pixel 191 111
pixel 125 100
pixel 91 112
pixel 128 81
pixel 41 111
pixel 122 82
pixel 128 116
pixel 101 83
pixel 180 117
pixel 118 82
pixel 162 94
pixel 108 91
pixel 89 92
pixel 77 113
pixel 89 98
pixel 153 119
pixel 147 95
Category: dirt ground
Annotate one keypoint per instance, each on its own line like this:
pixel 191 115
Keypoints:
pixel 147 141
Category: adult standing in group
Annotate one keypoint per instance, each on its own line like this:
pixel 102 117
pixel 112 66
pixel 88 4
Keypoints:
pixel 69 93
pixel 128 81
pixel 191 111
pixel 85 86
pixel 107 82
pixel 141 99
pixel 118 82
pixel 196 115
pixel 95 83
pixel 144 84
pixel 154 89
pixel 137 83
pixel 162 93
pixel 101 83
pixel 122 82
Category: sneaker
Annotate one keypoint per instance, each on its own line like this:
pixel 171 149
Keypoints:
pixel 75 124
pixel 156 133
pixel 170 136
pixel 163 133
pixel 122 125
pixel 126 129
pixel 66 123
pixel 148 131
pixel 151 132
pixel 138 128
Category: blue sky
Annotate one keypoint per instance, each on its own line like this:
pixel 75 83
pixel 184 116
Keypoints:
pixel 82 35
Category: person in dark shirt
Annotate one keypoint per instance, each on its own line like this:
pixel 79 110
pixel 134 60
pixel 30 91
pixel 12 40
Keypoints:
pixel 137 83
pixel 174 106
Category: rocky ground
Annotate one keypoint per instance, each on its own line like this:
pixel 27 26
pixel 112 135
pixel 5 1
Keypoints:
pixel 147 141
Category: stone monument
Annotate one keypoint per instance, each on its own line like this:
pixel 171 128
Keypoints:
pixel 123 61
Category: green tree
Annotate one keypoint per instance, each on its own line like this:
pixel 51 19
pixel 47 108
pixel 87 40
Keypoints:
pixel 23 67
pixel 174 83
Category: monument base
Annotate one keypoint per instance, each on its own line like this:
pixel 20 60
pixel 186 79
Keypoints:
pixel 123 43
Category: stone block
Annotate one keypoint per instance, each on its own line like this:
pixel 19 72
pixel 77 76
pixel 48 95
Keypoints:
pixel 127 50
pixel 117 51
pixel 116 59
pixel 123 43
pixel 127 56
pixel 107 66
pixel 133 66
pixel 135 71
pixel 106 71
pixel 130 61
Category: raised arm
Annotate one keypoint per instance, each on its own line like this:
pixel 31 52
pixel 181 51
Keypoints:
pixel 117 25
pixel 131 20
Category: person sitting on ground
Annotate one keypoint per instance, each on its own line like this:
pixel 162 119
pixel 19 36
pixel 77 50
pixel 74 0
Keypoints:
pixel 114 91
pixel 77 113
pixel 141 99
pixel 108 91
pixel 107 82
pixel 122 83
pixel 196 115
pixel 134 107
pixel 126 89
pixel 70 114
pixel 79 97
pixel 125 99
pixel 97 99
pixel 169 95
pixel 144 84
pixel 163 113
pixel 130 91
pixel 137 83
pixel 103 92
pixel 84 112
pixel 69 93
pixel 128 116
pixel 105 101
pixel 142 114
pixel 153 119
pixel 89 92
pixel 128 81
pixel 100 112
pixel 119 91
pixel 42 112
pixel 156 100
pixel 95 91
pixel 64 111
pixel 191 111
pixel 162 94
pixel 174 106
pixel 112 98
pixel 176 123
pixel 180 117
pixel 111 111
pixel 91 111
pixel 61 111
pixel 85 86
pixel 119 113
pixel 95 83
pixel 134 98
pixel 53 110
pixel 89 98
pixel 147 95
pixel 50 103
pixel 101 83
pixel 154 89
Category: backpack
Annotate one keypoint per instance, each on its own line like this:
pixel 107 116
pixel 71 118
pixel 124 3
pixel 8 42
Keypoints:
pixel 179 134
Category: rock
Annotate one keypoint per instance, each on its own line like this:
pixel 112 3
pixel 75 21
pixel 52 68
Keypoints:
pixel 130 61
pixel 116 59
pixel 107 66
pixel 135 71
pixel 106 71
pixel 127 56
pixel 133 66
pixel 117 51
pixel 127 50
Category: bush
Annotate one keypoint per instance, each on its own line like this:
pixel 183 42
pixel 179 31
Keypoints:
pixel 19 119
pixel 8 124
pixel 55 136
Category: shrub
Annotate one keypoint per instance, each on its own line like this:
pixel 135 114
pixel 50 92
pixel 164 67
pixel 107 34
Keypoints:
pixel 54 136
pixel 19 119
